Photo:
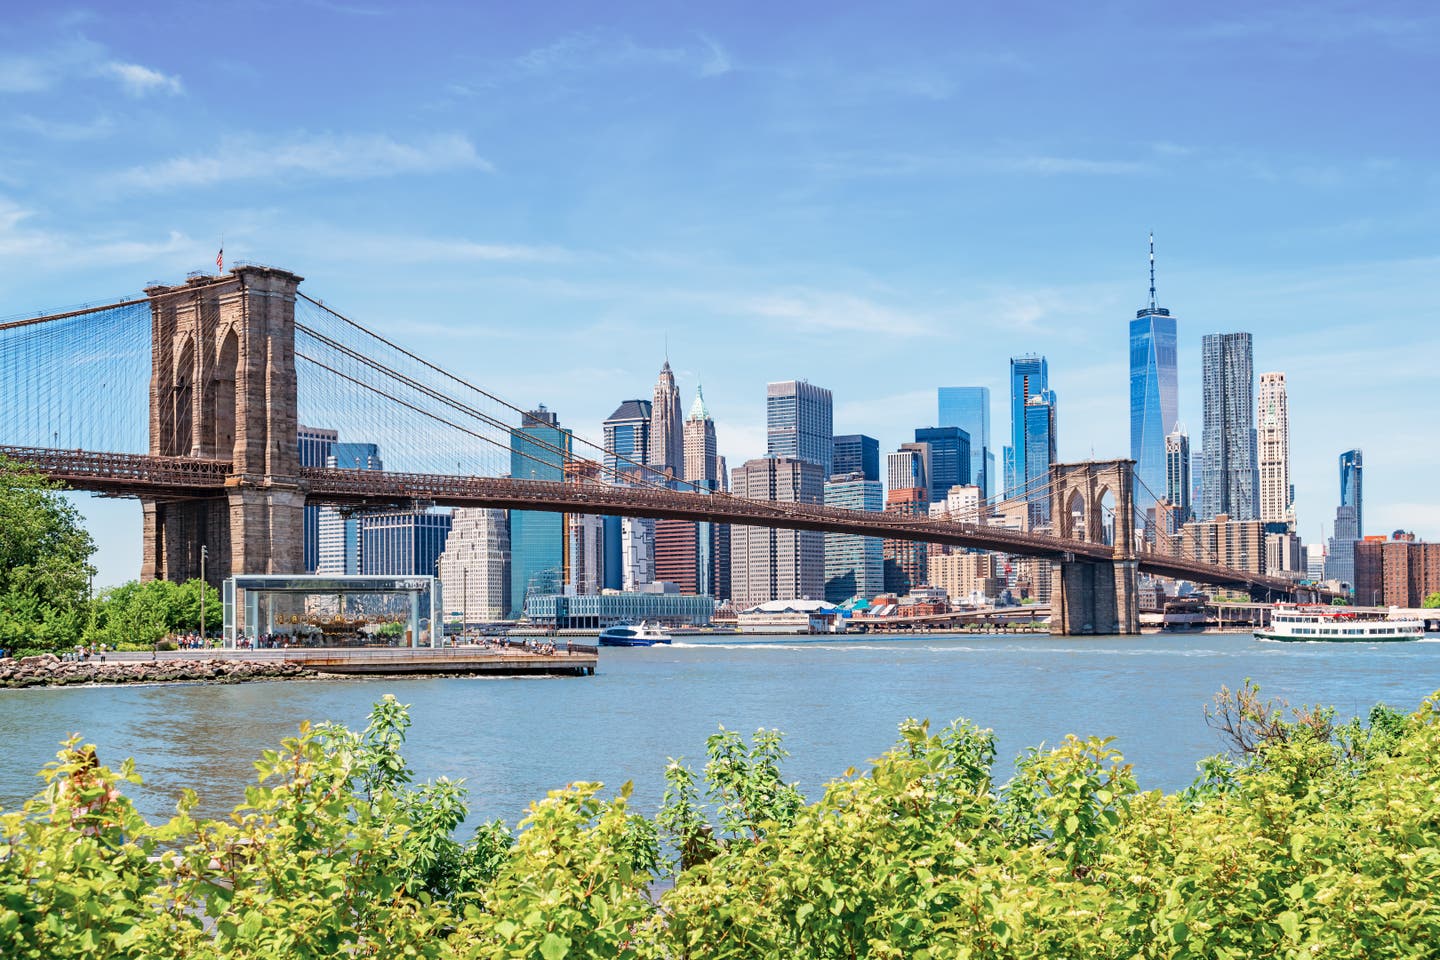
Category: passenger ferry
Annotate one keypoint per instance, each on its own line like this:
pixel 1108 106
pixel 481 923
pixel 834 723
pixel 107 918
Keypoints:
pixel 1336 625
pixel 630 635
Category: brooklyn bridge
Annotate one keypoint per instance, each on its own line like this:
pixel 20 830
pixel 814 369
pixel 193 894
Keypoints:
pixel 190 399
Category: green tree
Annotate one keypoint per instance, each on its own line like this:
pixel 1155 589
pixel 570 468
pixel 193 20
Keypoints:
pixel 140 614
pixel 1432 602
pixel 45 566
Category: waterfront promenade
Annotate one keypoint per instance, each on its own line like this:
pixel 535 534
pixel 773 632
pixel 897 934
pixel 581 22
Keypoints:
pixel 568 660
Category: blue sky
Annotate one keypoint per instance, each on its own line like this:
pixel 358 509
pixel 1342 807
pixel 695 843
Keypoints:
pixel 881 200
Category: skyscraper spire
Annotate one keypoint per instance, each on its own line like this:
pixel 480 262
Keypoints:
pixel 1152 270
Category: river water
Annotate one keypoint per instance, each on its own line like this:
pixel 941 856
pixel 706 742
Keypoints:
pixel 838 702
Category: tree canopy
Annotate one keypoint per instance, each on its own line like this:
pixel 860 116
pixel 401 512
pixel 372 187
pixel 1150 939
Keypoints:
pixel 45 565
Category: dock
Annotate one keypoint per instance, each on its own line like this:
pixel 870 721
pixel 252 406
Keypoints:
pixel 568 660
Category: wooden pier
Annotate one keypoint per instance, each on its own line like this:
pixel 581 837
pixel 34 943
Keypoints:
pixel 568 660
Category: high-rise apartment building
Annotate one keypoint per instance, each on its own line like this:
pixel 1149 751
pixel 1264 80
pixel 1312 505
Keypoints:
pixel 627 437
pixel 1232 543
pixel 768 564
pixel 1040 444
pixel 906 469
pixel 857 453
pixel 906 565
pixel 585 553
pixel 965 504
pixel 799 423
pixel 1177 478
pixel 402 544
pixel 315 445
pixel 1154 393
pixel 1229 479
pixel 539 450
pixel 1395 573
pixel 1352 468
pixel 949 459
pixel 854 566
pixel 1277 496
pixel 969 409
pixel 667 444
pixel 474 570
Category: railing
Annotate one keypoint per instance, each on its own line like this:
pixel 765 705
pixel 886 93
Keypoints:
pixel 135 474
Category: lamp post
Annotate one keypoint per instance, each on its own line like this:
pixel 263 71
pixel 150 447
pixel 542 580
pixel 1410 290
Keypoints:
pixel 202 593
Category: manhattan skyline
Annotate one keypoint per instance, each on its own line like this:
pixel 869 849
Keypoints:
pixel 882 208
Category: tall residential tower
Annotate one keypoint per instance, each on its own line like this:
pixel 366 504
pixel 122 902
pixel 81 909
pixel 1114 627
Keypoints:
pixel 1277 496
pixel 1229 479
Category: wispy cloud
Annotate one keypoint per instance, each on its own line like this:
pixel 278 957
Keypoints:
pixel 36 72
pixel 38 249
pixel 588 50
pixel 829 311
pixel 900 164
pixel 65 130
pixel 349 246
pixel 139 81
pixel 348 157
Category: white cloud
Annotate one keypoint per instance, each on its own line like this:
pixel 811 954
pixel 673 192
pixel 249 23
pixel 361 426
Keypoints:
pixel 349 246
pixel 606 49
pixel 139 81
pixel 717 63
pixel 65 130
pixel 350 157
pixel 36 249
pixel 819 310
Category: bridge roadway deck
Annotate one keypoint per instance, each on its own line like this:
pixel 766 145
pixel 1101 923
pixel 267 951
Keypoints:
pixel 135 475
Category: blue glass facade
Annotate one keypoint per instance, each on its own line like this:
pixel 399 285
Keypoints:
pixel 857 453
pixel 315 446
pixel 1029 377
pixel 627 437
pixel 949 459
pixel 1154 399
pixel 969 409
pixel 1039 453
pixel 402 544
pixel 538 451
pixel 1352 464
pixel 854 566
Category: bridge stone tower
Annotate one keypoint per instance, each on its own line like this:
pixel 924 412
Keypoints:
pixel 222 386
pixel 1087 595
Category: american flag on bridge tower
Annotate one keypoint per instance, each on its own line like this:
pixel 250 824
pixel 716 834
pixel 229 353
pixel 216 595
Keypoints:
pixel 220 258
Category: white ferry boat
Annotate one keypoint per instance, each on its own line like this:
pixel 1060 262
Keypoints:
pixel 1336 625
pixel 630 635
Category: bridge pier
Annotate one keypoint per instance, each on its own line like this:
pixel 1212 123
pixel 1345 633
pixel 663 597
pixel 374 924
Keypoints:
pixel 1093 597
pixel 223 386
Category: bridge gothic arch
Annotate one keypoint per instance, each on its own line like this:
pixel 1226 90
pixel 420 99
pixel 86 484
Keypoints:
pixel 1095 503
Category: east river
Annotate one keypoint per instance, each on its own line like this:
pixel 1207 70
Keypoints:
pixel 838 702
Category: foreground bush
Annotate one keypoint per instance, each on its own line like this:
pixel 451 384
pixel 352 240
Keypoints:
pixel 1318 840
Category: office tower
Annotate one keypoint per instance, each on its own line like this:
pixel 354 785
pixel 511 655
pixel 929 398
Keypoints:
pixel 949 459
pixel 854 566
pixel 1273 443
pixel 1154 393
pixel 1029 377
pixel 969 409
pixel 677 548
pixel 1352 464
pixel 702 462
pixel 1177 477
pixel 1039 454
pixel 1229 480
pixel 1315 562
pixel 905 469
pixel 667 445
pixel 768 564
pixel 340 531
pixel 857 453
pixel 406 543
pixel 474 570
pixel 585 553
pixel 314 452
pixel 799 423
pixel 539 450
pixel 1340 563
pixel 905 560
pixel 627 437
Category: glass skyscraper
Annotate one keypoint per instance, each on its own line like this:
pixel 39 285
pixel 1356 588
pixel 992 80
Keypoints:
pixel 1154 393
pixel 1352 464
pixel 969 409
pixel 1029 377
pixel 315 445
pixel 854 566
pixel 1039 453
pixel 539 448
pixel 799 423
pixel 627 437
pixel 403 544
pixel 857 453
pixel 1230 479
pixel 1177 476
pixel 949 459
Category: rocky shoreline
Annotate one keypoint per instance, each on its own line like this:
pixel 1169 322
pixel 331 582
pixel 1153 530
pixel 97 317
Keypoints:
pixel 49 670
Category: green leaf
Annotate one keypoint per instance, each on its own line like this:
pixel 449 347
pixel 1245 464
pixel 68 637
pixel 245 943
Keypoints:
pixel 554 946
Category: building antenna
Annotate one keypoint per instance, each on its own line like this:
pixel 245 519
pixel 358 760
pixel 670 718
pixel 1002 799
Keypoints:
pixel 1152 270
